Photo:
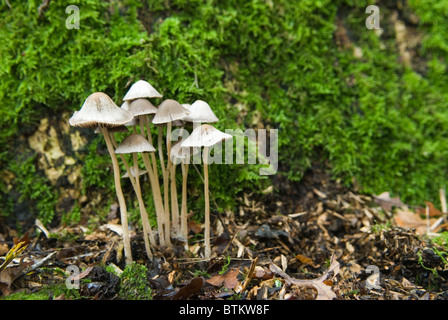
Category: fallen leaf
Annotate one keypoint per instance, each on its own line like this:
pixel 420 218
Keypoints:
pixel 433 211
pixel 305 260
pixel 19 246
pixel 3 249
pixel 83 274
pixel 324 292
pixel 195 227
pixel 385 201
pixel 262 273
pixel 192 287
pixel 229 279
pixel 412 220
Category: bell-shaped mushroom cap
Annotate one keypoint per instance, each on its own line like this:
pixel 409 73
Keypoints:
pixel 135 143
pixel 169 111
pixel 205 135
pixel 141 89
pixel 200 111
pixel 99 109
pixel 139 107
pixel 181 154
pixel 132 169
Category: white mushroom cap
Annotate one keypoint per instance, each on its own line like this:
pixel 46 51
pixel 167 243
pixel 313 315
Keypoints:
pixel 135 143
pixel 169 111
pixel 141 89
pixel 200 111
pixel 139 107
pixel 99 109
pixel 205 136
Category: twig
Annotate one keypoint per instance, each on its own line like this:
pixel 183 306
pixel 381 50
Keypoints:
pixel 8 4
pixel 443 203
pixel 249 275
pixel 36 265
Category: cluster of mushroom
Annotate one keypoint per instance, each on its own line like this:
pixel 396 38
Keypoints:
pixel 138 112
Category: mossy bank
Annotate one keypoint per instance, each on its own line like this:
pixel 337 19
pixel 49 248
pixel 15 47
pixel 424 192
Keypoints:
pixel 371 104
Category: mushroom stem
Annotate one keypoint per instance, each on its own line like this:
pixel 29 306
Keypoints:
pixel 183 212
pixel 148 237
pixel 120 196
pixel 160 212
pixel 153 178
pixel 166 185
pixel 137 189
pixel 166 217
pixel 153 155
pixel 174 200
pixel 207 206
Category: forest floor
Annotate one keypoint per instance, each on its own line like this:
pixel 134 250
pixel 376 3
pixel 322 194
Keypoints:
pixel 310 240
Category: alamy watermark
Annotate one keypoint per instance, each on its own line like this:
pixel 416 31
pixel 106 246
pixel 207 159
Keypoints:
pixel 72 21
pixel 373 281
pixel 373 20
pixel 72 281
pixel 262 148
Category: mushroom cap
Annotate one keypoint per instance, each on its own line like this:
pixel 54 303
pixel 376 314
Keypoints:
pixel 180 154
pixel 135 143
pixel 205 135
pixel 200 111
pixel 99 110
pixel 139 107
pixel 141 89
pixel 169 111
pixel 132 169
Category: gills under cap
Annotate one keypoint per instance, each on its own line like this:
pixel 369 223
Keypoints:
pixel 135 143
pixel 100 110
pixel 169 111
pixel 205 136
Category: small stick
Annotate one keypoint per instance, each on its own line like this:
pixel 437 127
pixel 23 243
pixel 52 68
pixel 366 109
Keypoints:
pixel 249 274
pixel 443 203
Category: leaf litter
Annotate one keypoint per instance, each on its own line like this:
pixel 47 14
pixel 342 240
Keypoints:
pixel 312 240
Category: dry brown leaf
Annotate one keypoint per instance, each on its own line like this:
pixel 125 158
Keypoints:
pixel 3 249
pixel 385 201
pixel 195 227
pixel 433 211
pixel 324 292
pixel 229 279
pixel 262 273
pixel 193 287
pixel 412 220
pixel 305 260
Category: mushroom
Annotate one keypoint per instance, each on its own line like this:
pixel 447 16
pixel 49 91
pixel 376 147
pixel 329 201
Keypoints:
pixel 134 144
pixel 136 101
pixel 98 110
pixel 132 172
pixel 141 89
pixel 141 108
pixel 206 136
pixel 200 111
pixel 168 111
pixel 181 155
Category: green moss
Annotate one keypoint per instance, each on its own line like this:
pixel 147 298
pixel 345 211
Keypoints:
pixel 134 283
pixel 47 292
pixel 371 118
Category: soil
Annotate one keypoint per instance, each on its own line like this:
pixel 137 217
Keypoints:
pixel 298 241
